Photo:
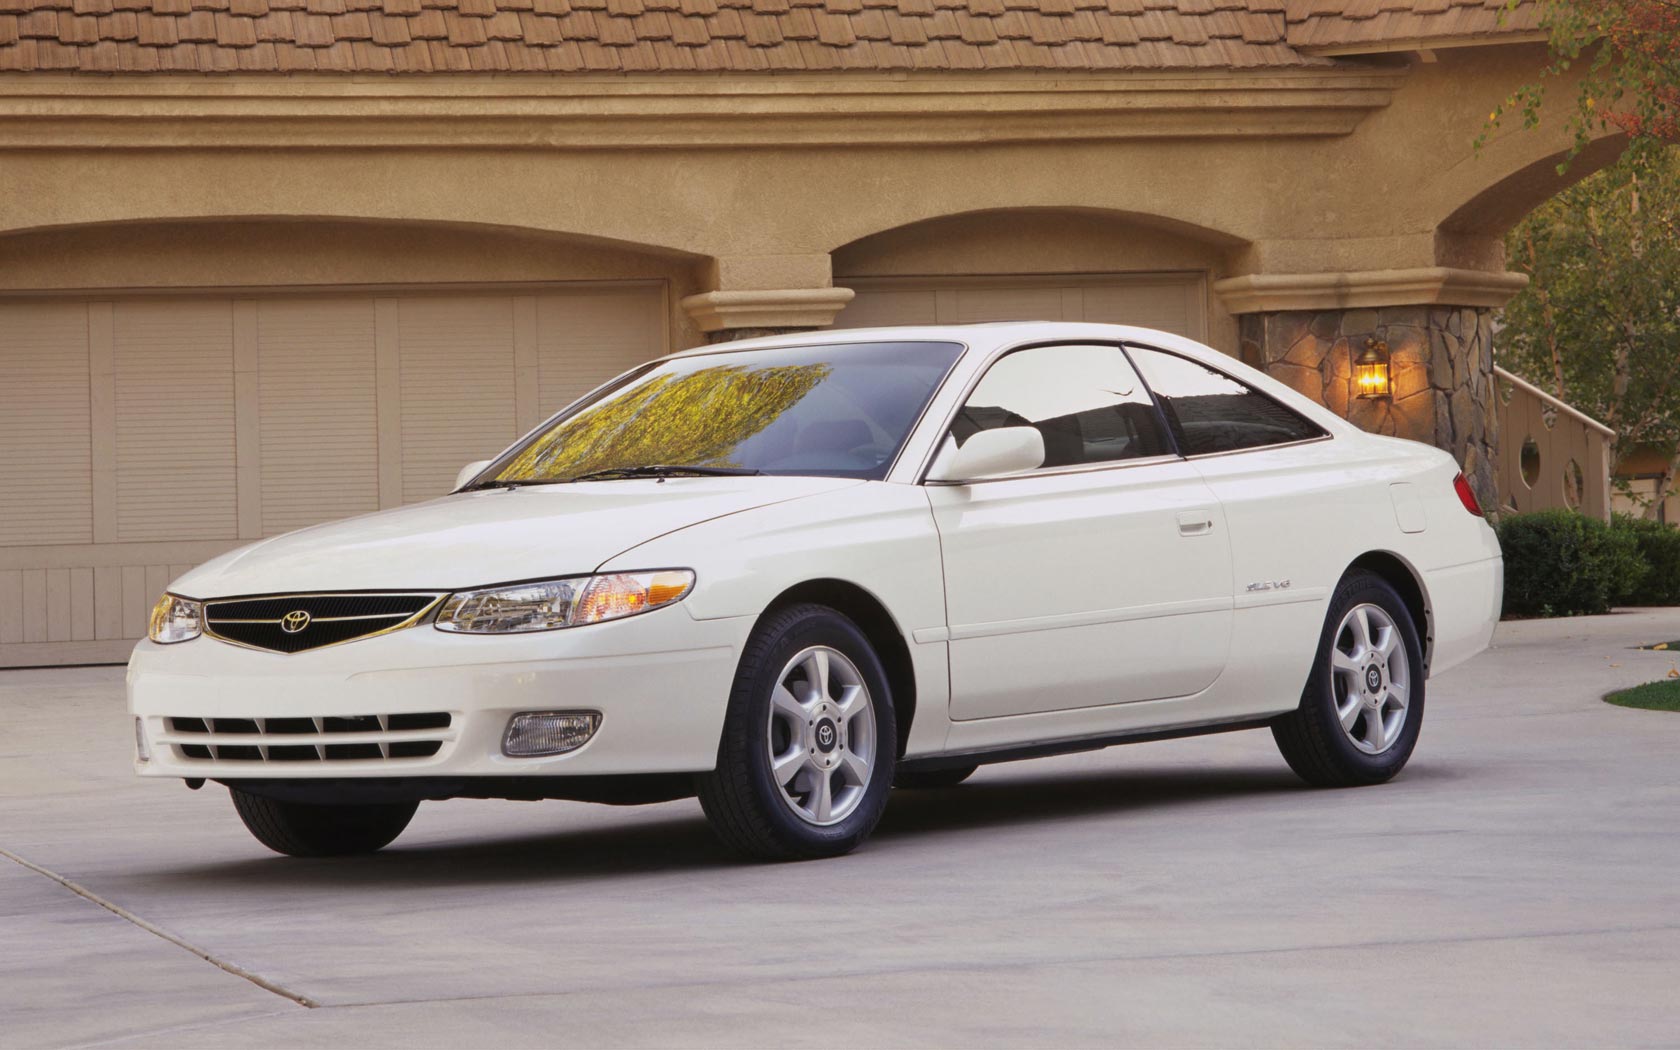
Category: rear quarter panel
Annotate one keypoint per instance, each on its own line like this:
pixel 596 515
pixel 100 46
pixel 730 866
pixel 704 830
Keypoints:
pixel 1300 516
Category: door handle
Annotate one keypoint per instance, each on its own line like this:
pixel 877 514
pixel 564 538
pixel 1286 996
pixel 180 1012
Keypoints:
pixel 1195 523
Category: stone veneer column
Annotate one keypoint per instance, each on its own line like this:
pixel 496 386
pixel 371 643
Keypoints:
pixel 1441 361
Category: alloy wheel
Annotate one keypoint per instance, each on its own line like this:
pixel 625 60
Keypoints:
pixel 1371 678
pixel 822 736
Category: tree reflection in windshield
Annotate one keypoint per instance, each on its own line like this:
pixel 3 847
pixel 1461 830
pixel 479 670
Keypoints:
pixel 693 420
pixel 841 410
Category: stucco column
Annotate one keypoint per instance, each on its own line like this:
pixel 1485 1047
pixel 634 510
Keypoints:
pixel 766 295
pixel 1440 351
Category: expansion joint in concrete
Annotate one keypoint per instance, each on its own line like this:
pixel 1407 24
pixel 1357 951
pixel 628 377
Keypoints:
pixel 157 931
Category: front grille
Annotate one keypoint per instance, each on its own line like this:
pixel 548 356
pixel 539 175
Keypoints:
pixel 329 738
pixel 299 622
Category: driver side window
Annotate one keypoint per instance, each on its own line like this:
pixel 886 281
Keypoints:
pixel 1086 401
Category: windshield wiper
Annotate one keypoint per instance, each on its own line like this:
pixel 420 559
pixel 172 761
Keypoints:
pixel 515 483
pixel 662 470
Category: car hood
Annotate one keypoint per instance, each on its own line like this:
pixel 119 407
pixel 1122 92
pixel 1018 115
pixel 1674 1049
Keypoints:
pixel 490 536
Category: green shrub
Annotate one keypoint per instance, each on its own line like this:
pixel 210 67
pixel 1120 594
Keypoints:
pixel 1560 563
pixel 1659 549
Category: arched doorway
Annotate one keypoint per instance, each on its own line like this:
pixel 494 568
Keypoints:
pixel 1547 454
pixel 222 382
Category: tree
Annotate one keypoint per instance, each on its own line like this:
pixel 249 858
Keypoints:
pixel 1599 324
pixel 1631 79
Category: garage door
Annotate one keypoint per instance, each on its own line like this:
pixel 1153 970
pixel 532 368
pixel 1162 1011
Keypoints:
pixel 139 437
pixel 1173 302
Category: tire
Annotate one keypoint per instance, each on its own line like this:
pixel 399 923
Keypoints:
pixel 932 779
pixel 747 804
pixel 301 830
pixel 1363 694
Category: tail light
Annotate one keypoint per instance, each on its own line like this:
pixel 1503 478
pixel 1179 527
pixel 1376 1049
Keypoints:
pixel 1465 495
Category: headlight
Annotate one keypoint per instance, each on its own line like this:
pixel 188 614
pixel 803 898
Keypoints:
pixel 175 620
pixel 553 604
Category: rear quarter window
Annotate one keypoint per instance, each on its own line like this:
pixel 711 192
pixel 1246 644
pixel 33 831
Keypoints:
pixel 1210 412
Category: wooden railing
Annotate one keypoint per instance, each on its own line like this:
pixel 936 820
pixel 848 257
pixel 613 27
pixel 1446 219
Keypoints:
pixel 1550 455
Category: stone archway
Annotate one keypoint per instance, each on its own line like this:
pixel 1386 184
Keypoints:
pixel 1435 323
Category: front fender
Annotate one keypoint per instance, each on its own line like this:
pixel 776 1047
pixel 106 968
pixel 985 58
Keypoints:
pixel 879 536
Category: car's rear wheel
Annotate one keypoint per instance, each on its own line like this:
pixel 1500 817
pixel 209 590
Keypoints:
pixel 298 829
pixel 809 743
pixel 1362 708
pixel 933 779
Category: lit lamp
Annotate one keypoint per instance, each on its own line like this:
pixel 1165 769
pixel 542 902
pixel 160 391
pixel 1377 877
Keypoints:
pixel 1370 370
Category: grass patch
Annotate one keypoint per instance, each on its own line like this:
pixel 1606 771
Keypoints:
pixel 1652 696
pixel 1663 646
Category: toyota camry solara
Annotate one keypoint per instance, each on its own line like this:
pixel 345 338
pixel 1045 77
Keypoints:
pixel 788 574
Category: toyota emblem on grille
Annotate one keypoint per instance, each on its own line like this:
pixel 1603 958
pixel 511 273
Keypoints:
pixel 294 621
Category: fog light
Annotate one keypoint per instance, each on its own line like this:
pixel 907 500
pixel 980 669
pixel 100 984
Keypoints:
pixel 548 732
pixel 140 747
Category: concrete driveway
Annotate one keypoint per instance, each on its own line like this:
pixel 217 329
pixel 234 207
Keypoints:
pixel 1518 885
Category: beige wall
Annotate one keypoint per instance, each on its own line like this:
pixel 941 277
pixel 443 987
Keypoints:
pixel 145 259
pixel 1363 167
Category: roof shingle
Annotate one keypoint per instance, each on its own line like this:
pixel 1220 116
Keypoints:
pixel 739 36
pixel 1349 24
pixel 364 36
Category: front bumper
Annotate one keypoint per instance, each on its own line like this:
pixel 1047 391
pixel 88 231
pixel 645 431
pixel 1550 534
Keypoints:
pixel 660 681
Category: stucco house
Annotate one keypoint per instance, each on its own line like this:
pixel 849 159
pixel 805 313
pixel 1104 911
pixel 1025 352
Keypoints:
pixel 1641 473
pixel 269 262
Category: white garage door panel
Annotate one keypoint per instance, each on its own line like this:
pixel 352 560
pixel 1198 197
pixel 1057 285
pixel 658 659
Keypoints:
pixel 978 305
pixel 319 422
pixel 46 493
pixel 231 419
pixel 583 341
pixel 457 388
pixel 883 307
pixel 173 369
pixel 1171 302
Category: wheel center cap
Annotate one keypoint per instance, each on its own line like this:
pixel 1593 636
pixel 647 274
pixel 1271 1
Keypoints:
pixel 1373 679
pixel 826 735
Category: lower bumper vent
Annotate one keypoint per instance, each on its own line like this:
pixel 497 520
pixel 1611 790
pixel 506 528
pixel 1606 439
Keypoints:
pixel 336 738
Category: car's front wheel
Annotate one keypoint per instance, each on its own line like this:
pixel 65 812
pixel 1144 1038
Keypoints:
pixel 1362 708
pixel 809 743
pixel 299 829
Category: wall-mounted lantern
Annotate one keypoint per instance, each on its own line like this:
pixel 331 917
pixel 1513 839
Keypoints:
pixel 1370 370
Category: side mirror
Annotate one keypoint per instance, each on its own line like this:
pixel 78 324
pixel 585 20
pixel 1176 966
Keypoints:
pixel 470 471
pixel 987 453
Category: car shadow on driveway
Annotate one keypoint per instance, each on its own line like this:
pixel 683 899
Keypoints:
pixel 989 803
pixel 678 838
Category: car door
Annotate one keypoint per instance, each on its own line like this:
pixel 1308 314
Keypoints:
pixel 1104 576
pixel 1289 497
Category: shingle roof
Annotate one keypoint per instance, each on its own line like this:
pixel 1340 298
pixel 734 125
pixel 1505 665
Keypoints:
pixel 638 35
pixel 1352 23
pixel 404 36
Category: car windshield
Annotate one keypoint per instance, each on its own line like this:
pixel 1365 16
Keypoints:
pixel 836 410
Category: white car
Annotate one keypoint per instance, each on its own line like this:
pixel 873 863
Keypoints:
pixel 789 573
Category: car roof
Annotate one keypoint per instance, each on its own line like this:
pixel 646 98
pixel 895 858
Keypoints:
pixel 980 340
pixel 981 337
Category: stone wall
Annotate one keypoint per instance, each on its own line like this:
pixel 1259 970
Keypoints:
pixel 1441 359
